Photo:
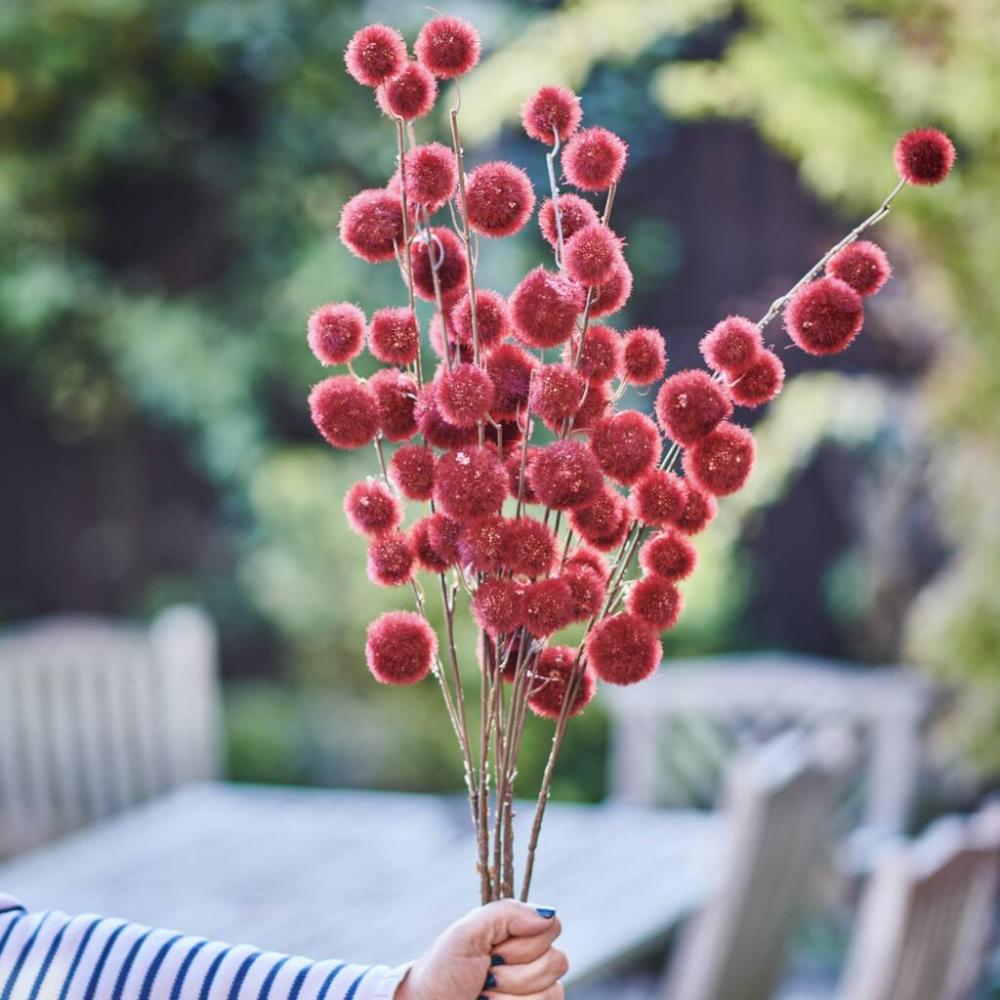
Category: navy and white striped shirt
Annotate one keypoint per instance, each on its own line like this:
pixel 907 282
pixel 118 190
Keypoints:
pixel 51 956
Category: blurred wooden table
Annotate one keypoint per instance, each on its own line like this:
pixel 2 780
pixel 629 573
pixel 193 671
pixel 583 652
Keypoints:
pixel 368 876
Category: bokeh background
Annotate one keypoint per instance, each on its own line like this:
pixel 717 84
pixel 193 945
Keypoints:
pixel 171 173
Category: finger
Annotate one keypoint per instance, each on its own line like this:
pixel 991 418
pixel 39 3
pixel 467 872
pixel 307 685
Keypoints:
pixel 554 992
pixel 518 951
pixel 490 925
pixel 531 977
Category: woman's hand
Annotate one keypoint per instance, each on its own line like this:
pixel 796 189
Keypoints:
pixel 498 951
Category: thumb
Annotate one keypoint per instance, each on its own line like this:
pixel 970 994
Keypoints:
pixel 495 923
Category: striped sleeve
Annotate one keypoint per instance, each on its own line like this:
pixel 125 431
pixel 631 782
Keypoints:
pixel 51 956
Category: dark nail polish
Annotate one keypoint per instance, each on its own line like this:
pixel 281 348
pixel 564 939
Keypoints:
pixel 491 981
pixel 497 960
pixel 545 911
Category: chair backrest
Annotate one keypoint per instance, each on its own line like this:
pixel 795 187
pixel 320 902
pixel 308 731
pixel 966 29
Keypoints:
pixel 95 716
pixel 779 809
pixel 674 736
pixel 928 915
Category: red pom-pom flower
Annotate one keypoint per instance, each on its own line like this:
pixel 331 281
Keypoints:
pixel 391 560
pixel 761 382
pixel 658 498
pixel 721 462
pixel 492 318
pixel 510 367
pixel 863 265
pixel 690 404
pixel 550 683
pixel 448 47
pixel 644 358
pixel 601 357
pixel 464 394
pixel 371 225
pixel 610 297
pixel 409 94
pixel 470 484
pixel 395 393
pixel 441 252
pixel 698 512
pixel 344 411
pixel 604 522
pixel 924 156
pixel 336 332
pixel 624 649
pixel 400 648
pixel 594 159
pixel 393 336
pixel 551 112
pixel 824 316
pixel 431 422
pixel 375 53
pixel 431 175
pixel 556 393
pixel 371 509
pixel 498 606
pixel 732 346
pixel 544 307
pixel 564 475
pixel 530 547
pixel 412 471
pixel 669 555
pixel 592 254
pixel 548 606
pixel 656 601
pixel 574 213
pixel 500 199
pixel 626 446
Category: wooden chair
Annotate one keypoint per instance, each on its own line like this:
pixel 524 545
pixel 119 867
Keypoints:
pixel 780 805
pixel 96 716
pixel 928 914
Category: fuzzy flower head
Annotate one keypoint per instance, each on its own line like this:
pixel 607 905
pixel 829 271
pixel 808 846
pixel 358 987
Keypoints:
pixel 624 649
pixel 594 159
pixel 626 446
pixel 428 558
pixel 731 346
pixel 574 214
pixel 588 590
pixel 498 606
pixel 586 557
pixel 601 357
pixel 721 462
pixel 924 156
pixel 610 297
pixel 544 307
pixel 431 175
pixel 464 394
pixel 669 555
pixel 550 683
pixel 500 199
pixel 658 498
pixel 604 522
pixel 442 253
pixel 459 352
pixel 448 46
pixel 530 547
pixel 470 484
pixel 551 112
pixel 556 393
pixel 863 265
pixel 656 601
pixel 690 404
pixel 375 54
pixel 391 560
pixel 481 545
pixel 335 333
pixel 548 606
pixel 393 336
pixel 644 357
pixel 438 431
pixel 492 318
pixel 410 94
pixel 824 316
pixel 564 475
pixel 761 382
pixel 411 470
pixel 395 393
pixel 371 225
pixel 595 405
pixel 371 509
pixel 592 254
pixel 344 411
pixel 698 512
pixel 400 648
pixel 510 367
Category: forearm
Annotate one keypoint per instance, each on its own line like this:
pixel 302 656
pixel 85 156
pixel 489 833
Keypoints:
pixel 92 958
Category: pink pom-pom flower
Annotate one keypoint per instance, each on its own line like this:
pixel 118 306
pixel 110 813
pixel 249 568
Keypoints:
pixel 371 509
pixel 409 94
pixel 448 47
pixel 824 316
pixel 548 606
pixel 601 357
pixel 510 367
pixel 626 446
pixel 395 393
pixel 623 649
pixel 344 411
pixel 437 431
pixel 481 545
pixel 551 680
pixel 443 252
pixel 924 156
pixel 400 648
pixel 594 159
pixel 431 175
pixel 698 512
pixel 574 213
pixel 585 556
pixel 658 498
pixel 371 225
pixel 391 560
pixel 604 522
pixel 592 254
pixel 732 345
pixel 530 547
pixel 492 318
pixel 500 199
pixel 393 336
pixel 375 54
pixel 588 590
pixel 550 112
pixel 644 357
pixel 544 307
pixel 863 265
pixel 610 297
pixel 464 394
pixel 498 606
pixel 656 601
pixel 470 484
pixel 721 462
pixel 669 555
pixel 556 393
pixel 761 382
pixel 519 485
pixel 595 405
pixel 564 475
pixel 690 404
pixel 336 332
pixel 411 469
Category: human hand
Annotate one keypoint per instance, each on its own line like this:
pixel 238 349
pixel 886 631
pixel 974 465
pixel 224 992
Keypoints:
pixel 497 951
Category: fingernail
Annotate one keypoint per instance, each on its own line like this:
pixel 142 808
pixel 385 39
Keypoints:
pixel 497 960
pixel 491 981
pixel 545 911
